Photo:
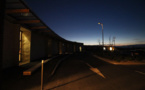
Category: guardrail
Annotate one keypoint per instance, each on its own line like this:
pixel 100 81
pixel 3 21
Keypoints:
pixel 34 68
pixel 41 64
pixel 53 71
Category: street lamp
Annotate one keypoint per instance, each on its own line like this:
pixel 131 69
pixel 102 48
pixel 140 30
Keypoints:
pixel 102 33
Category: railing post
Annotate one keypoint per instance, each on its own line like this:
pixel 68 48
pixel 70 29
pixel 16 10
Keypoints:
pixel 42 74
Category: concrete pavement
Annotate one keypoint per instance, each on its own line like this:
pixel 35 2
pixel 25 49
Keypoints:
pixel 81 72
pixel 74 74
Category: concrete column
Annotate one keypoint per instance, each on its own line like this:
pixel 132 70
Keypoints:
pixel 2 11
pixel 10 44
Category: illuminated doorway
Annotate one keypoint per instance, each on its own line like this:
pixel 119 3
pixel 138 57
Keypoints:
pixel 24 46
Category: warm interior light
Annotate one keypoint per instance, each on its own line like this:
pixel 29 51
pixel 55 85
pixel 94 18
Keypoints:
pixel 99 23
pixel 80 49
pixel 25 44
pixel 104 48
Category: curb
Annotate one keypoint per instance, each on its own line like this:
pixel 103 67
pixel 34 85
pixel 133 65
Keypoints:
pixel 119 63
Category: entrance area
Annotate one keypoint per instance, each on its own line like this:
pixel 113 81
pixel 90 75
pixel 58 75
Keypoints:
pixel 25 44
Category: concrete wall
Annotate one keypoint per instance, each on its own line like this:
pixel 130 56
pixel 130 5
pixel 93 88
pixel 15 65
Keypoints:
pixel 11 44
pixel 55 47
pixel 39 46
pixel 61 47
pixel 77 48
pixel 70 48
pixel 67 51
pixel 2 7
pixel 49 49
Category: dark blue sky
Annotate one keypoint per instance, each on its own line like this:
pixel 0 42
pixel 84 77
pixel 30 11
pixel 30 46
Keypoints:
pixel 77 20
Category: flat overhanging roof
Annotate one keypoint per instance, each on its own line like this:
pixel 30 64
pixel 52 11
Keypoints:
pixel 24 16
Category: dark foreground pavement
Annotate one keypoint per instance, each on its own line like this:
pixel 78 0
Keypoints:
pixel 80 72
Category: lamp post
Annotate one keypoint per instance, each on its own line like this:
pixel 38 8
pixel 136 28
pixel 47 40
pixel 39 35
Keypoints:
pixel 102 33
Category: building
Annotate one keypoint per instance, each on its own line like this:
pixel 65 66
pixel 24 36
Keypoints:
pixel 26 38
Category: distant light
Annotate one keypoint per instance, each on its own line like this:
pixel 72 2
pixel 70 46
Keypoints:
pixel 104 48
pixel 111 48
pixel 99 23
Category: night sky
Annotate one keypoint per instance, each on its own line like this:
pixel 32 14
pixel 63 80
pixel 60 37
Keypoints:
pixel 77 20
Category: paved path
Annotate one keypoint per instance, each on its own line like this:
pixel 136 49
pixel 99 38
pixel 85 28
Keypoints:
pixel 82 72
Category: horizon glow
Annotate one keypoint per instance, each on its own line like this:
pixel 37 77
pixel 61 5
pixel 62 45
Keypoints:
pixel 77 20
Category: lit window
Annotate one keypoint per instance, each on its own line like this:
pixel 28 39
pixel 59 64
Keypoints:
pixel 80 49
